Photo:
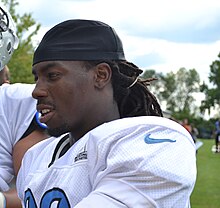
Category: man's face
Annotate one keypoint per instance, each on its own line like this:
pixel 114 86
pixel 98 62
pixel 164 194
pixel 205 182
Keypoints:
pixel 65 93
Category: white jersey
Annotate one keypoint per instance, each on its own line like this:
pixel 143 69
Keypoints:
pixel 133 162
pixel 17 109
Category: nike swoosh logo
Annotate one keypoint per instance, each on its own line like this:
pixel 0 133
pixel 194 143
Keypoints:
pixel 150 140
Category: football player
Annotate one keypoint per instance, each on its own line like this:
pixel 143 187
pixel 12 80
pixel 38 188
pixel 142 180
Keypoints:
pixel 120 152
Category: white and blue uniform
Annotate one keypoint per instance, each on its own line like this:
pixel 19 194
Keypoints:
pixel 17 109
pixel 133 162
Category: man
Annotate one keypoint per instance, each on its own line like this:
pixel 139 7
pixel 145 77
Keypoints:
pixel 120 152
pixel 19 122
pixel 217 135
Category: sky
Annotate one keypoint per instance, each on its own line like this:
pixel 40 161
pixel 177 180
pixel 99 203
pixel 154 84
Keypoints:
pixel 163 35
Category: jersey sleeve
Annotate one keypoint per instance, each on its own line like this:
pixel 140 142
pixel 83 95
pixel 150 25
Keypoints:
pixel 17 109
pixel 20 110
pixel 128 169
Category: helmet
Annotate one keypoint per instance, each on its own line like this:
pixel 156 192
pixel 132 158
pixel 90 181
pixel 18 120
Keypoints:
pixel 8 38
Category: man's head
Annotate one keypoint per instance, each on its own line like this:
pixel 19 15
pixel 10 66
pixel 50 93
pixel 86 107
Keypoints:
pixel 8 38
pixel 83 79
pixel 4 76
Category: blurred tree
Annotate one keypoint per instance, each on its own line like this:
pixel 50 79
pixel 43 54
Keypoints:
pixel 155 86
pixel 177 91
pixel 21 63
pixel 212 94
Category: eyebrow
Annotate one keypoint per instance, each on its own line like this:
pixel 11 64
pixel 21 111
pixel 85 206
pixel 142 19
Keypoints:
pixel 45 67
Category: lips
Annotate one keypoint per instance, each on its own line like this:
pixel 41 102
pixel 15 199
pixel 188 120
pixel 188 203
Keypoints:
pixel 46 112
pixel 46 117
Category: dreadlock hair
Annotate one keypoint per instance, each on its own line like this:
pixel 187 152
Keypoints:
pixel 131 92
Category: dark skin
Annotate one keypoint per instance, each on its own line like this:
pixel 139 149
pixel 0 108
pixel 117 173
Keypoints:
pixel 12 200
pixel 4 75
pixel 77 99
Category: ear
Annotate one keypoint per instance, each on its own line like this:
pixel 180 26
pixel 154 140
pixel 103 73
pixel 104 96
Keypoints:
pixel 103 75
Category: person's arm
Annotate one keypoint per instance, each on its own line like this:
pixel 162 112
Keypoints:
pixel 11 198
pixel 23 145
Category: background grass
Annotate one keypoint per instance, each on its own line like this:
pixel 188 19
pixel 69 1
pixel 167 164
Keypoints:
pixel 206 193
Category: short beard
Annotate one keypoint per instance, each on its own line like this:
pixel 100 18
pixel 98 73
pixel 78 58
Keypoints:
pixel 56 132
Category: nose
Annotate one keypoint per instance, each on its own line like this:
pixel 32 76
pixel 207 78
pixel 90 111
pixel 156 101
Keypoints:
pixel 39 92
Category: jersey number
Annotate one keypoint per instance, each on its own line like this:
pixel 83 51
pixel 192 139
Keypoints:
pixel 54 195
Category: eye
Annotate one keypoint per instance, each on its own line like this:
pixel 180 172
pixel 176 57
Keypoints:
pixel 53 75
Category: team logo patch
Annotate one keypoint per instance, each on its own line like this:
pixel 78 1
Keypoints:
pixel 81 156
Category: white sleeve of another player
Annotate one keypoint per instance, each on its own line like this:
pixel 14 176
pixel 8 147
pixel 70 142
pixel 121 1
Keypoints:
pixel 17 109
pixel 21 108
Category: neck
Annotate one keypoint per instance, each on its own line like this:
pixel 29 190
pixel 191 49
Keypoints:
pixel 71 139
pixel 88 124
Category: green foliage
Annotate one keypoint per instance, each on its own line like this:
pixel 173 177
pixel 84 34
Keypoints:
pixel 212 94
pixel 180 88
pixel 21 63
pixel 176 90
pixel 206 191
pixel 155 86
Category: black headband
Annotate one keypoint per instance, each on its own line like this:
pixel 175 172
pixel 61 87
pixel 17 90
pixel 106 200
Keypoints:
pixel 80 40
